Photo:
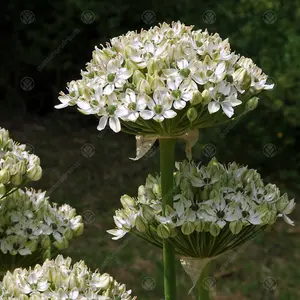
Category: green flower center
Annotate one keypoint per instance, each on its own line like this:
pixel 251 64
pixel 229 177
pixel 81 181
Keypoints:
pixel 16 246
pixel 158 109
pixel 29 230
pixel 199 44
pixel 185 72
pixel 209 73
pixel 53 226
pixel 132 106
pixel 111 77
pixel 111 109
pixel 176 94
pixel 220 214
pixel 245 214
pixel 194 207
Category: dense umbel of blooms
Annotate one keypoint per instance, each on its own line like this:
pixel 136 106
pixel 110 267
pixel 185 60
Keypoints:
pixel 17 166
pixel 169 74
pixel 60 280
pixel 28 223
pixel 209 201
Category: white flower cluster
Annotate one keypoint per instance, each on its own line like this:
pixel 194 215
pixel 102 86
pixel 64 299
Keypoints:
pixel 147 77
pixel 17 166
pixel 206 199
pixel 59 280
pixel 28 222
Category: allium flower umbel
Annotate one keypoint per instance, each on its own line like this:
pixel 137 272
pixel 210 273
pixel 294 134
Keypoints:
pixel 147 83
pixel 59 279
pixel 29 224
pixel 216 208
pixel 17 166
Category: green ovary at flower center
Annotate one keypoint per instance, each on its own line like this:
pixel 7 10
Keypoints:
pixel 220 214
pixel 185 72
pixel 245 214
pixel 176 94
pixel 132 106
pixel 111 109
pixel 111 77
pixel 53 226
pixel 158 109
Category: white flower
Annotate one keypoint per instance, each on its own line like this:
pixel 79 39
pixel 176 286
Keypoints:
pixel 160 106
pixel 180 92
pixel 113 111
pixel 115 75
pixel 133 105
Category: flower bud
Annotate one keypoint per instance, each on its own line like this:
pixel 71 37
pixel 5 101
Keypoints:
pixel 141 224
pixel 78 230
pixel 197 98
pixel 163 231
pixel 4 176
pixel 31 245
pixel 156 189
pixel 127 201
pixel 192 114
pixel 34 173
pixel 147 213
pixel 104 281
pixel 45 242
pixel 16 179
pixel 206 97
pixel 235 227
pixel 143 86
pixel 242 78
pixel 199 225
pixel 252 103
pixel 4 137
pixel 187 228
pixel 137 77
pixel 214 229
pixel 63 244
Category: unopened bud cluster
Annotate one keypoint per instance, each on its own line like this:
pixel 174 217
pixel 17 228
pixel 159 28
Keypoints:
pixel 17 166
pixel 141 79
pixel 59 279
pixel 29 223
pixel 213 199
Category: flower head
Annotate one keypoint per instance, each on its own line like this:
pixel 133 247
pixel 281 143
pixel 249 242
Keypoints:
pixel 59 279
pixel 211 201
pixel 142 79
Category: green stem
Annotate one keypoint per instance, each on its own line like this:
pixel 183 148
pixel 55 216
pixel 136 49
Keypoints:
pixel 167 163
pixel 203 290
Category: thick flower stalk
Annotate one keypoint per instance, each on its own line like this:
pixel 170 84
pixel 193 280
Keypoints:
pixel 165 81
pixel 216 208
pixel 17 166
pixel 30 227
pixel 59 279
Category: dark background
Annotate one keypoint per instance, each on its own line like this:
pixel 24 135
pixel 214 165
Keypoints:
pixel 46 44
